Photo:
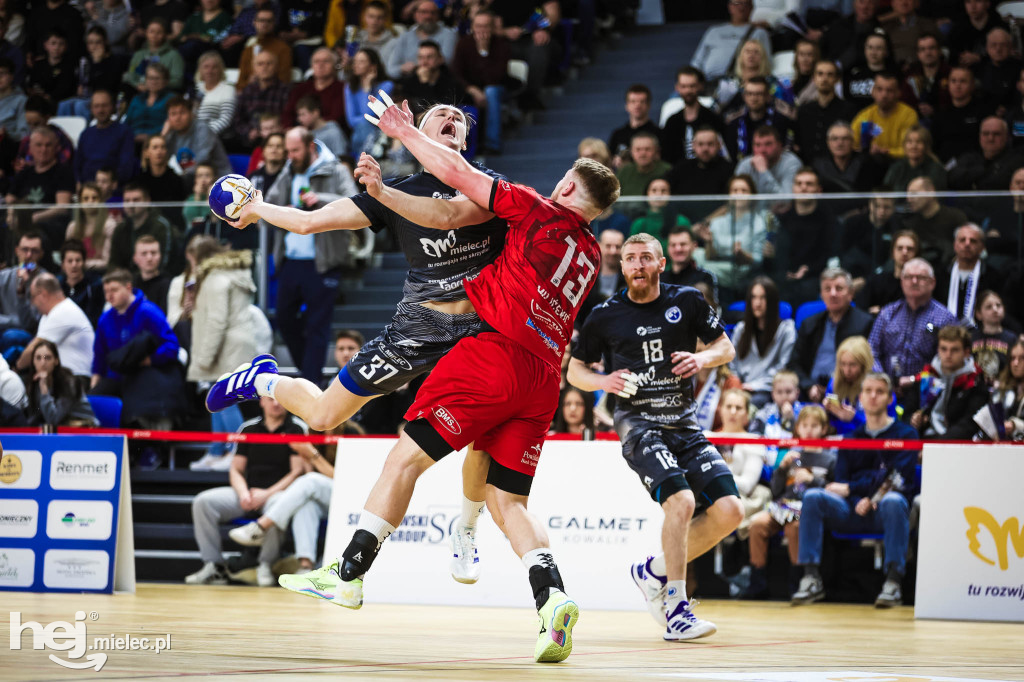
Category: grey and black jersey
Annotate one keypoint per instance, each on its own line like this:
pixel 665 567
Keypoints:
pixel 641 337
pixel 439 261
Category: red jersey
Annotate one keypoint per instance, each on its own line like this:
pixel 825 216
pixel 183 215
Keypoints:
pixel 532 292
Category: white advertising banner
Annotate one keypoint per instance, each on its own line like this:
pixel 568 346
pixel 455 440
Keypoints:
pixel 597 514
pixel 971 544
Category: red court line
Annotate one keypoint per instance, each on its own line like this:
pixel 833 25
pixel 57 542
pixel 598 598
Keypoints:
pixel 678 647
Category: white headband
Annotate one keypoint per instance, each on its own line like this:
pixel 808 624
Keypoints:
pixel 426 115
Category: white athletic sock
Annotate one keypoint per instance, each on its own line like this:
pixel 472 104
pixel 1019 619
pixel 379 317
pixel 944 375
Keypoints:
pixel 471 511
pixel 265 384
pixel 541 556
pixel 658 567
pixel 376 525
pixel 676 593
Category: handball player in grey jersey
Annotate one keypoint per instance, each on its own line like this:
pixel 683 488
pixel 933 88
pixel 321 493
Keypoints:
pixel 431 318
pixel 646 335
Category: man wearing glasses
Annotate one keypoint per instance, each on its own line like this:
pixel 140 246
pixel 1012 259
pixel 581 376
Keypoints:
pixel 716 53
pixel 904 336
pixel 18 317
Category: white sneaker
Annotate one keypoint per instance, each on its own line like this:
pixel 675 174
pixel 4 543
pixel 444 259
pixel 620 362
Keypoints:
pixel 209 574
pixel 249 535
pixel 265 576
pixel 465 566
pixel 684 625
pixel 653 588
pixel 211 462
pixel 204 462
pixel 222 463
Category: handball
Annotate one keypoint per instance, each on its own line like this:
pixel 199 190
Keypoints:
pixel 229 194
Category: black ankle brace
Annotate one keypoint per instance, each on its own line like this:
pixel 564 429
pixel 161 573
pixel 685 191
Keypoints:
pixel 542 579
pixel 359 555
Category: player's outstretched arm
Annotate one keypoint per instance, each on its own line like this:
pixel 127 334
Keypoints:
pixel 621 382
pixel 342 214
pixel 444 163
pixel 426 211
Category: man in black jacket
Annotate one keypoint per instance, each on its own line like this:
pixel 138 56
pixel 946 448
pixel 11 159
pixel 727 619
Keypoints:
pixel 814 353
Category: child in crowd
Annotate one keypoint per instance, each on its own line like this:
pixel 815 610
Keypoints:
pixel 745 461
pixel 800 469
pixel 990 341
pixel 776 419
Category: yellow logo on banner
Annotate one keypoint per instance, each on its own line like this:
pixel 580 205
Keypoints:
pixel 10 469
pixel 1010 532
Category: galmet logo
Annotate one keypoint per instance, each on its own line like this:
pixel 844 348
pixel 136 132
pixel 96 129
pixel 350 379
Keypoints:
pixel 1010 532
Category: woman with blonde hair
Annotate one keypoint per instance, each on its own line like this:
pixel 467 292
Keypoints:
pixel 751 61
pixel 745 461
pixel 93 226
pixel 222 326
pixel 805 55
pixel 216 98
pixel 842 396
pixel 594 148
pixel 919 159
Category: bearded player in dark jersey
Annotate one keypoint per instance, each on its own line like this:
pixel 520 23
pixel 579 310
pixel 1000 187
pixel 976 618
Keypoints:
pixel 431 318
pixel 500 388
pixel 646 335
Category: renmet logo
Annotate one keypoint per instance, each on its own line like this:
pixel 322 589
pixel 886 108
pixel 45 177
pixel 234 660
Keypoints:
pixel 1010 532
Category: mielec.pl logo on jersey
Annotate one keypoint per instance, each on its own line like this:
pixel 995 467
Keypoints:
pixel 73 638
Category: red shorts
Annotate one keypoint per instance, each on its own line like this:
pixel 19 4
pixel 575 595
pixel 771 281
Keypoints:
pixel 493 391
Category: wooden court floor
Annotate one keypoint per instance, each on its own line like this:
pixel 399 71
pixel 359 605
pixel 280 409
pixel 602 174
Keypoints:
pixel 243 633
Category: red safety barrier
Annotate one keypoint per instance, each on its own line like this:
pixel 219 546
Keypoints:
pixel 718 439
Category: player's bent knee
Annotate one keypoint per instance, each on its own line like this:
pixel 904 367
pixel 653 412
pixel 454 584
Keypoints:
pixel 680 506
pixel 727 512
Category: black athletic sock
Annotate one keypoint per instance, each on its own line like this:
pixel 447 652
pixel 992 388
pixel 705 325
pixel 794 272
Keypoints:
pixel 359 555
pixel 812 570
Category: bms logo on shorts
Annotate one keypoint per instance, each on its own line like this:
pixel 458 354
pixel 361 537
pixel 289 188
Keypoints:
pixel 447 420
pixel 673 314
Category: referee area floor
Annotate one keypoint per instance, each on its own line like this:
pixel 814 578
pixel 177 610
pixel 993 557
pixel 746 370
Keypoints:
pixel 253 633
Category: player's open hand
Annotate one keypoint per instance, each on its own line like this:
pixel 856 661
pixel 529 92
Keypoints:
pixel 368 174
pixel 686 364
pixel 622 383
pixel 250 212
pixel 390 118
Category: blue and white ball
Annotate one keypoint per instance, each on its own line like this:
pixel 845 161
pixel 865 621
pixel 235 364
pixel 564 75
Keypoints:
pixel 229 194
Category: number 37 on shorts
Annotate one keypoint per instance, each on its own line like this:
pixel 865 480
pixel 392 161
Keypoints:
pixel 378 363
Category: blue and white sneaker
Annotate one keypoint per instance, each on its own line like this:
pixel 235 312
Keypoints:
pixel 238 386
pixel 653 588
pixel 684 625
pixel 465 566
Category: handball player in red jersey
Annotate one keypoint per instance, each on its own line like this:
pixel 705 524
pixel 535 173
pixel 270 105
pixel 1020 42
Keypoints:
pixel 500 388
